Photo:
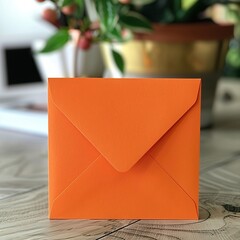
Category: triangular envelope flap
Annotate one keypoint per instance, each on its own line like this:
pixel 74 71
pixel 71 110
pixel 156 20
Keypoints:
pixel 123 118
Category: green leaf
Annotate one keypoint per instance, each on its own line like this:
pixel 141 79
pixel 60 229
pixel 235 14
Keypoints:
pixel 57 41
pixel 233 57
pixel 141 2
pixel 108 14
pixel 136 22
pixel 79 2
pixel 186 4
pixel 116 33
pixel 197 8
pixel 119 61
pixel 67 2
pixel 167 16
pixel 79 12
pixel 177 9
pixel 233 15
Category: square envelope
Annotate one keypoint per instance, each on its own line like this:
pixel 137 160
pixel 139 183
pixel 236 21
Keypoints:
pixel 124 148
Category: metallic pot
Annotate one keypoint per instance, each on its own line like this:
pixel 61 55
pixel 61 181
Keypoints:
pixel 177 50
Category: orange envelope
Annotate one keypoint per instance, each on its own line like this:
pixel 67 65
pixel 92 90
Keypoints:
pixel 124 148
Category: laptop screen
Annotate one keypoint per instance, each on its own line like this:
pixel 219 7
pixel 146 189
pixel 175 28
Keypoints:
pixel 20 67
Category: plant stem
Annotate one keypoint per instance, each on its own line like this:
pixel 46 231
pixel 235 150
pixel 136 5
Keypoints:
pixel 75 56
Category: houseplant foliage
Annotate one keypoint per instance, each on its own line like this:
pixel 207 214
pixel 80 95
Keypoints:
pixel 112 21
pixel 225 14
pixel 117 20
pixel 232 67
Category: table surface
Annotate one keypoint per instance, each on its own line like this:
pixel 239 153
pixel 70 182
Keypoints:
pixel 24 191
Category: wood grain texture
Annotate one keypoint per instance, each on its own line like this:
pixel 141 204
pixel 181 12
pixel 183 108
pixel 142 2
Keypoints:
pixel 24 193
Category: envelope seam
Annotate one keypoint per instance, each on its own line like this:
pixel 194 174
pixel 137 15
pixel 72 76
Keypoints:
pixel 178 120
pixel 196 209
pixel 50 91
pixel 69 120
pixel 74 180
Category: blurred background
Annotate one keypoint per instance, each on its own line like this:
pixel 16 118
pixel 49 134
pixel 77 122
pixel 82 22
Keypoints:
pixel 20 26
pixel 115 39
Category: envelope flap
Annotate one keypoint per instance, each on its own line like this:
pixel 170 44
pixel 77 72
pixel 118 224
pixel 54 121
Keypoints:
pixel 123 118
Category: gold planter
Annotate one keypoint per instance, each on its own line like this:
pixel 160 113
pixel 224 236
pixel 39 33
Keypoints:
pixel 157 58
pixel 180 50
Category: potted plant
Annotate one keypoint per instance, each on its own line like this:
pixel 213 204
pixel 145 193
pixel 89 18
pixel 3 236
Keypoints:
pixel 148 38
pixel 65 53
pixel 185 42
pixel 88 22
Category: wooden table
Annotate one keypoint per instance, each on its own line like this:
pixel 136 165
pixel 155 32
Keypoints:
pixel 24 192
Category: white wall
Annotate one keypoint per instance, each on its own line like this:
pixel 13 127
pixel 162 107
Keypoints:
pixel 21 25
pixel 23 17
